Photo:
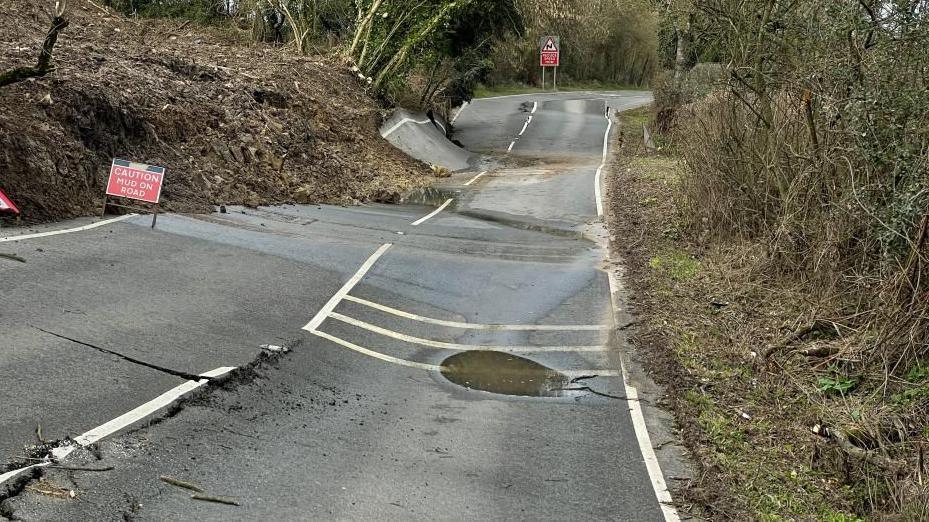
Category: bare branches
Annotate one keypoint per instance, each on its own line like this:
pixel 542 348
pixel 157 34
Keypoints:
pixel 44 65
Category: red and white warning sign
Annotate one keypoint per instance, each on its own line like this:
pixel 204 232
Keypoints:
pixel 550 51
pixel 135 181
pixel 6 205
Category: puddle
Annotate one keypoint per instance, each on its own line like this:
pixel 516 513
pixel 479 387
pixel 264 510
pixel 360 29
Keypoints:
pixel 504 373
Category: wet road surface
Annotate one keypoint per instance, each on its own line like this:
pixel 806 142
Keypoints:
pixel 461 367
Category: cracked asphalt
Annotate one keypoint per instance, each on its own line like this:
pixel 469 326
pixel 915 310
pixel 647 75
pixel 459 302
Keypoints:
pixel 98 322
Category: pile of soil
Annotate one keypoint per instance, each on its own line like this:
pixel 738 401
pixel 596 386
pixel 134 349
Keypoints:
pixel 232 123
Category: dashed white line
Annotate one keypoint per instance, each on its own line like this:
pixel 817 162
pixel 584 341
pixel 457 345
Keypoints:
pixel 91 226
pixel 354 280
pixel 475 178
pixel 476 326
pixel 525 125
pixel 606 144
pixel 510 148
pixel 124 420
pixel 456 346
pixel 535 105
pixel 423 219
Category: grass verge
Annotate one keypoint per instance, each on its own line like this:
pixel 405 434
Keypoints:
pixel 707 312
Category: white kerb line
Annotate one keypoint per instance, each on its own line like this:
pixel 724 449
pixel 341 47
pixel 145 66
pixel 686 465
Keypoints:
pixel 606 144
pixel 346 288
pixel 423 219
pixel 641 429
pixel 127 419
pixel 66 230
pixel 475 178
pixel 458 113
pixel 401 123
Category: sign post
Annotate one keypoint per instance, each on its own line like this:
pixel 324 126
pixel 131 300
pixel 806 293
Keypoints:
pixel 136 181
pixel 550 56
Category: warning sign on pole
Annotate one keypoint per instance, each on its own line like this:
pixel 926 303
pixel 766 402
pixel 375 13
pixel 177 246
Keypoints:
pixel 550 51
pixel 6 205
pixel 135 181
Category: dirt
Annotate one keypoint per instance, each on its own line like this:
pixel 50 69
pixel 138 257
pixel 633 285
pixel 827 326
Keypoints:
pixel 233 123
pixel 705 316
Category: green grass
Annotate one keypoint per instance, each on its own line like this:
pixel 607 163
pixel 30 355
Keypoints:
pixel 678 265
pixel 484 91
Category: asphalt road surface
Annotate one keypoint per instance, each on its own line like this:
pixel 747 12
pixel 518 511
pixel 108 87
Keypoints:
pixel 392 362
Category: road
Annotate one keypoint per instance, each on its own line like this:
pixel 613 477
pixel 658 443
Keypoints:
pixel 422 362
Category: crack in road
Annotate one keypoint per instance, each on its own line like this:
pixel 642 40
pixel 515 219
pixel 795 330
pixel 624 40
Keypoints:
pixel 169 371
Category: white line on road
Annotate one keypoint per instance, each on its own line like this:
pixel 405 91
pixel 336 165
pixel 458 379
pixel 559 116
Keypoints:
pixel 91 226
pixel 455 346
pixel 641 430
pixel 528 120
pixel 354 280
pixel 434 367
pixel 510 148
pixel 476 326
pixel 127 419
pixel 423 219
pixel 458 112
pixel 376 355
pixel 535 105
pixel 401 123
pixel 475 178
pixel 606 144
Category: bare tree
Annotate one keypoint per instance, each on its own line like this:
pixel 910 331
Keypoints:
pixel 44 65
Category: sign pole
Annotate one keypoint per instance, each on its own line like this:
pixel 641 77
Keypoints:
pixel 555 80
pixel 543 78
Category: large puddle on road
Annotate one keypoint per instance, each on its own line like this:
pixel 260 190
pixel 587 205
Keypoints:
pixel 504 373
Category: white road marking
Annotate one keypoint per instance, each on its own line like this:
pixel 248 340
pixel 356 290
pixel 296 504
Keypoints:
pixel 91 226
pixel 476 326
pixel 456 346
pixel 510 148
pixel 475 178
pixel 581 373
pixel 434 367
pixel 423 219
pixel 402 123
pixel 354 280
pixel 458 112
pixel 376 355
pixel 641 430
pixel 525 125
pixel 606 144
pixel 535 105
pixel 124 420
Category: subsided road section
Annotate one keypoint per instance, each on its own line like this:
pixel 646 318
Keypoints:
pixel 323 431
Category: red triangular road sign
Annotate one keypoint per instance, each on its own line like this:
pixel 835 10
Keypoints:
pixel 549 45
pixel 6 205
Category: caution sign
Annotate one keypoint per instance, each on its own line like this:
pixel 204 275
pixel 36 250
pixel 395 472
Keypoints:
pixel 550 51
pixel 135 181
pixel 6 205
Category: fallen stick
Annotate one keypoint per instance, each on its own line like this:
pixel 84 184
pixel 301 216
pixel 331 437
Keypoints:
pixel 870 456
pixel 180 483
pixel 77 468
pixel 219 500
